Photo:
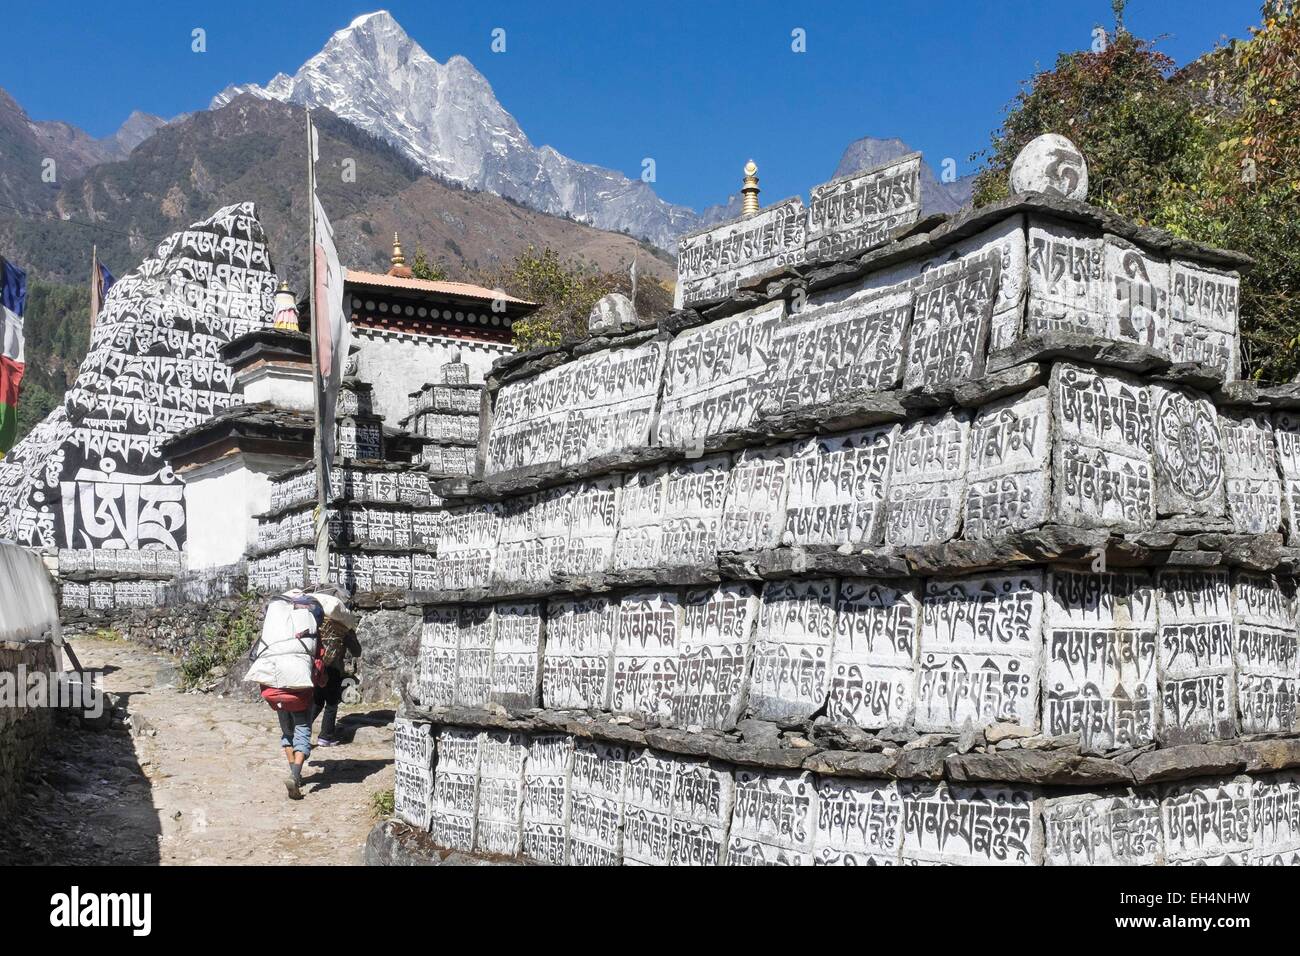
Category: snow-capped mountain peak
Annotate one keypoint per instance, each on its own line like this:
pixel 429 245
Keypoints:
pixel 446 118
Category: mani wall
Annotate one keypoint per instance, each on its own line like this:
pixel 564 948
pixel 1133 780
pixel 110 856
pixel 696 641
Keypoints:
pixel 89 481
pixel 383 515
pixel 938 542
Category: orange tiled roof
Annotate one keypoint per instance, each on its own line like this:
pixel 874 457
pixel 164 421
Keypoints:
pixel 465 289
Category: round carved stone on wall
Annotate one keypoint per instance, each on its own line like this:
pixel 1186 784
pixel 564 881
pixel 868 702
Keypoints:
pixel 1050 164
pixel 1188 445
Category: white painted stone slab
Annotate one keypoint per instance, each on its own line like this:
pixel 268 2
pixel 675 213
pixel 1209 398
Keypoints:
pixel 1197 683
pixel 927 479
pixel 596 804
pixel 1188 452
pixel 517 656
pixel 712 263
pixel 1100 670
pixel 578 663
pixel 645 654
pixel 862 210
pixel 859 823
pixel 1137 295
pixel 1207 822
pixel 753 515
pixel 467 543
pixel 1103 467
pixel 715 376
pixel 648 808
pixel 593 527
pixel 774 819
pixel 500 793
pixel 595 405
pixel 1095 829
pixel 716 642
pixel 836 488
pixel 695 494
pixel 1050 163
pixel 1286 439
pixel 1204 312
pixel 412 742
pixel 475 634
pixel 1253 485
pixel 1067 291
pixel 792 650
pixel 533 538
pixel 982 826
pixel 455 789
pixel 704 793
pixel 412 793
pixel 545 818
pixel 1267 654
pixel 980 654
pixel 951 313
pixel 439 640
pixel 828 350
pixel 1275 818
pixel 1009 475
pixel 639 543
pixel 873 673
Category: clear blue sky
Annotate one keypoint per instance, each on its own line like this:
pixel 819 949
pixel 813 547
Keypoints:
pixel 699 86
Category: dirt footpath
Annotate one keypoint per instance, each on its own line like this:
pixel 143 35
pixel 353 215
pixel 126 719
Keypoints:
pixel 194 779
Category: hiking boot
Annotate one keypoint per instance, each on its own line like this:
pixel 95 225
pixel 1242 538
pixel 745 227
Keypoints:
pixel 292 784
pixel 327 742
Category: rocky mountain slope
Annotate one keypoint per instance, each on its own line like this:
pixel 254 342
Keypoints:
pixel 255 149
pixel 27 145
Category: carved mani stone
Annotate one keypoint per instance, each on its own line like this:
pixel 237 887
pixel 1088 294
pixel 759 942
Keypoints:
pixel 544 831
pixel 1100 666
pixel 774 819
pixel 1197 685
pixel 927 479
pixel 984 825
pixel 1265 647
pixel 981 642
pixel 873 673
pixel 951 313
pixel 1050 163
pixel 1189 452
pixel 1090 829
pixel 859 823
pixel 1286 437
pixel 1008 479
pixel 1254 490
pixel 1103 466
pixel 792 652
pixel 716 641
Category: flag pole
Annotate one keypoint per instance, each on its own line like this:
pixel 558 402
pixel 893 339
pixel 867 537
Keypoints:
pixel 322 490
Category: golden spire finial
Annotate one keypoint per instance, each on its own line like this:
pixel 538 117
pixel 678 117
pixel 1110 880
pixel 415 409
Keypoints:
pixel 749 191
pixel 398 258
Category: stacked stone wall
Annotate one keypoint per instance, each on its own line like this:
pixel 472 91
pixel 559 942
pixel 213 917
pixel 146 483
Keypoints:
pixel 976 532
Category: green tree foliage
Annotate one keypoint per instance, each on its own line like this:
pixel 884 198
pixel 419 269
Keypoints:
pixel 1210 153
pixel 421 268
pixel 56 332
pixel 565 291
pixel 1138 130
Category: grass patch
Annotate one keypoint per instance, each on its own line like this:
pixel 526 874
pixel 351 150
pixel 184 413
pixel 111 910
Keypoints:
pixel 381 804
pixel 221 642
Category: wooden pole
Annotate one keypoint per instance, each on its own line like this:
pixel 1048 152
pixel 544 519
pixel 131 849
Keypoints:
pixel 322 483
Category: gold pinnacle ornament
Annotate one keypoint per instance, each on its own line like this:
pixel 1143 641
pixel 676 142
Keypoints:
pixel 749 191
pixel 398 259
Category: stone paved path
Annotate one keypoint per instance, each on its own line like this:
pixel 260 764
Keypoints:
pixel 195 779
